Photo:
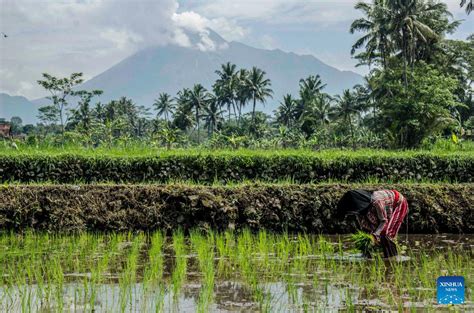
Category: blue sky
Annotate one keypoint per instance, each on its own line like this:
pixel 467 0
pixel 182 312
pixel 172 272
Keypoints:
pixel 65 36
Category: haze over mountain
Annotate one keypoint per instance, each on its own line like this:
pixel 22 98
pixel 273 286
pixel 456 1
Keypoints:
pixel 18 106
pixel 143 75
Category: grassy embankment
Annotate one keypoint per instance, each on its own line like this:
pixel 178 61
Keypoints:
pixel 296 190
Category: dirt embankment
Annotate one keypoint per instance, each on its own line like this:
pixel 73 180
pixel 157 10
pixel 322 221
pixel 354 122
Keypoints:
pixel 295 208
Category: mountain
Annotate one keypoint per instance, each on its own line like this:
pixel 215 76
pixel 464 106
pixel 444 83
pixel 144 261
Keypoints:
pixel 18 106
pixel 143 75
pixel 148 72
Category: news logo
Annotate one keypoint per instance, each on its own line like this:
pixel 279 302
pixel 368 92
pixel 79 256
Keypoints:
pixel 450 289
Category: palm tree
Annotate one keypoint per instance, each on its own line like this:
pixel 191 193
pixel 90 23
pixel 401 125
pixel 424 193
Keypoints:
pixel 258 87
pixel 183 117
pixel 286 111
pixel 375 24
pixel 323 109
pixel 316 113
pixel 164 105
pixel 243 94
pixel 212 116
pixel 310 87
pixel 345 109
pixel 469 6
pixel 225 87
pixel 410 23
pixel 82 116
pixel 198 99
pixel 410 27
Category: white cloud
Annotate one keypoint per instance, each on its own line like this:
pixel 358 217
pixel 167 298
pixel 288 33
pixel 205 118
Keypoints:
pixel 121 38
pixel 65 36
pixel 280 11
pixel 195 22
pixel 190 20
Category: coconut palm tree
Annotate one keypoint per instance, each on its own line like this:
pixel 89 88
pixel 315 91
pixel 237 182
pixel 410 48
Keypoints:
pixel 310 87
pixel 316 113
pixel 212 116
pixel 376 25
pixel 258 87
pixel 243 94
pixel 198 98
pixel 225 87
pixel 411 26
pixel 322 108
pixel 469 6
pixel 183 117
pixel 82 116
pixel 346 108
pixel 286 111
pixel 164 105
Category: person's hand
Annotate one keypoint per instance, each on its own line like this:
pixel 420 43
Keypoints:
pixel 376 239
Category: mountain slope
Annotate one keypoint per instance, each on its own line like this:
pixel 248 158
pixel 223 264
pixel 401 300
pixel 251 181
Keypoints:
pixel 145 74
pixel 18 106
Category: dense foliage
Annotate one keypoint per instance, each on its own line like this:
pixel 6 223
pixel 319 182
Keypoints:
pixel 236 166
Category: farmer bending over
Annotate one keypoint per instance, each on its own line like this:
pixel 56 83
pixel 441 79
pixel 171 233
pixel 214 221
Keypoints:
pixel 380 213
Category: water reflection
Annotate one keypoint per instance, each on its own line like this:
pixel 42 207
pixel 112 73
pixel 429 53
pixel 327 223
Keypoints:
pixel 266 279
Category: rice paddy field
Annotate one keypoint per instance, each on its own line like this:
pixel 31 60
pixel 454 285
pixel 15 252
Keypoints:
pixel 142 229
pixel 224 272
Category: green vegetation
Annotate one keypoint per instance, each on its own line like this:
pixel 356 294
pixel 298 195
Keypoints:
pixel 267 272
pixel 235 166
pixel 236 184
pixel 308 208
pixel 364 242
pixel 439 147
pixel 418 90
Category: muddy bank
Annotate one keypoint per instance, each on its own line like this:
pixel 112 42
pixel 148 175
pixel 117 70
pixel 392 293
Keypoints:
pixel 433 208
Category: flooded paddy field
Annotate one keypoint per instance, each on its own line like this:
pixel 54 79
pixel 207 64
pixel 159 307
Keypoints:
pixel 224 272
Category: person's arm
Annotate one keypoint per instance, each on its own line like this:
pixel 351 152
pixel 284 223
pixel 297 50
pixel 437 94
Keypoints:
pixel 381 215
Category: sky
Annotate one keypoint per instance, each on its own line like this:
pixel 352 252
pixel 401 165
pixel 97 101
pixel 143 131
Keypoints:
pixel 65 36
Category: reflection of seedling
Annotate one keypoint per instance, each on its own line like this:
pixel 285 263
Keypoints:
pixel 364 243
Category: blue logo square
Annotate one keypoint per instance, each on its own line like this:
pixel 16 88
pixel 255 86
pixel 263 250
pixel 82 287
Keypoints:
pixel 450 289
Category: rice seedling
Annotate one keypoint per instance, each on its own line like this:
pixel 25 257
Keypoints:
pixel 179 273
pixel 277 272
pixel 128 276
pixel 364 242
pixel 153 273
pixel 204 247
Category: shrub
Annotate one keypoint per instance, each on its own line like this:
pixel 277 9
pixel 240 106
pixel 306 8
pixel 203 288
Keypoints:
pixel 235 167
